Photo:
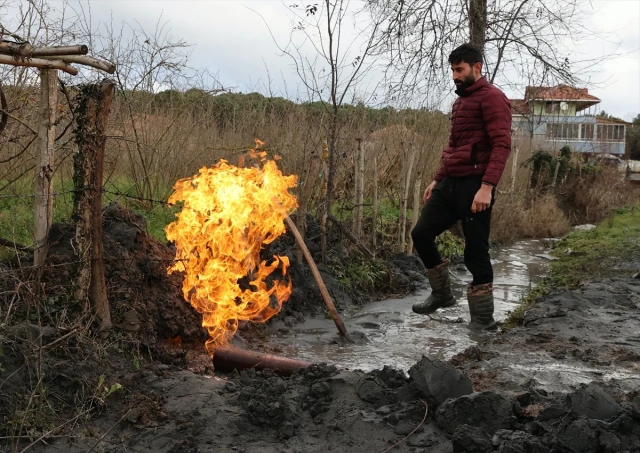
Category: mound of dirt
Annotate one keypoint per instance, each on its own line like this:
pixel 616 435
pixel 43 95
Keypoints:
pixel 146 303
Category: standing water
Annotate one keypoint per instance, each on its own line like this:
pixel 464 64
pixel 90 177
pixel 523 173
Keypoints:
pixel 389 333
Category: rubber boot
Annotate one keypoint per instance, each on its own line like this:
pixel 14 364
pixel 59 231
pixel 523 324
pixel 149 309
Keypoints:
pixel 441 294
pixel 480 299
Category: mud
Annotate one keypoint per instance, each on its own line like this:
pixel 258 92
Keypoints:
pixel 567 381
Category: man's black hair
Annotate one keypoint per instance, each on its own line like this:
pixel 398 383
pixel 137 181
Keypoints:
pixel 467 53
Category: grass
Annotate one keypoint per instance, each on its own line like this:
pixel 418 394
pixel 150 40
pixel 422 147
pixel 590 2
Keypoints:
pixel 587 255
pixel 16 210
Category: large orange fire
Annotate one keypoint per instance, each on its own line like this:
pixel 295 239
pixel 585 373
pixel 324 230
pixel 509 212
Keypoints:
pixel 228 214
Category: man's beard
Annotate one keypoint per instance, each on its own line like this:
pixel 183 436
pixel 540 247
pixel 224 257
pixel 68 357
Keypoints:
pixel 466 83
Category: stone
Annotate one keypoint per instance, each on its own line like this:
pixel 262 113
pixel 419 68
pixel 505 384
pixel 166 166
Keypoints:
pixel 436 381
pixel 471 439
pixel 592 402
pixel 486 410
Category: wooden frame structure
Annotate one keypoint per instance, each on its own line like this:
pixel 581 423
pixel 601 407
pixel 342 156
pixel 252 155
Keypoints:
pixel 89 281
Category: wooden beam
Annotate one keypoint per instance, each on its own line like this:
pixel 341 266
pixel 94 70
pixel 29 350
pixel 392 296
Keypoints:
pixel 40 63
pixel 86 61
pixel 28 51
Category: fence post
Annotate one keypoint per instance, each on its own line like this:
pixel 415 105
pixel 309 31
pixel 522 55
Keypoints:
pixel 322 212
pixel 43 209
pixel 374 220
pixel 555 174
pixel 304 197
pixel 406 177
pixel 514 169
pixel 414 214
pixel 92 115
pixel 359 191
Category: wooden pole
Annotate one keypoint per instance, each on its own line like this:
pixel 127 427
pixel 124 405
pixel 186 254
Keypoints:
pixel 92 116
pixel 39 63
pixel 405 198
pixel 514 169
pixel 374 219
pixel 555 174
pixel 43 208
pixel 304 197
pixel 359 183
pixel 415 212
pixel 322 212
pixel 26 50
pixel 316 275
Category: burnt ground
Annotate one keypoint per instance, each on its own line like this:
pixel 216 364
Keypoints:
pixel 566 381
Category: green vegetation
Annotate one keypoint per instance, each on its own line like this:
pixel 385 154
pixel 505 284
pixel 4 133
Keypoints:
pixel 587 255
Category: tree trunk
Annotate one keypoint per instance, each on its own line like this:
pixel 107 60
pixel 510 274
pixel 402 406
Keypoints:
pixel 45 162
pixel 92 116
pixel 477 22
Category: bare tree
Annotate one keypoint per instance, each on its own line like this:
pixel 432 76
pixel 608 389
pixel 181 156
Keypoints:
pixel 331 66
pixel 418 35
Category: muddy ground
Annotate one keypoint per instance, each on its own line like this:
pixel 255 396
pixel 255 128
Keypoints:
pixel 566 381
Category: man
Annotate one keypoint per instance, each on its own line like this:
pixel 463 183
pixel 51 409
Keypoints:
pixel 464 188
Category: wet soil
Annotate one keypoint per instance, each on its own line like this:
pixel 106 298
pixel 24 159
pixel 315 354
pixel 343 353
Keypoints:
pixel 566 381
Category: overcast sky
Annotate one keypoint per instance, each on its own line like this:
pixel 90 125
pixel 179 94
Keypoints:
pixel 232 40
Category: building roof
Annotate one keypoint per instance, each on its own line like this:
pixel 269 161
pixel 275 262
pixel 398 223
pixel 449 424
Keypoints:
pixel 519 107
pixel 559 93
pixel 601 120
pixel 579 96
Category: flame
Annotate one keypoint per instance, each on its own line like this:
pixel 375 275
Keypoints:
pixel 228 214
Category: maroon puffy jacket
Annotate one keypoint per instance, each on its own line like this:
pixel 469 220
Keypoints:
pixel 480 139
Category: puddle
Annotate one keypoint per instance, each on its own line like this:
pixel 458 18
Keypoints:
pixel 389 333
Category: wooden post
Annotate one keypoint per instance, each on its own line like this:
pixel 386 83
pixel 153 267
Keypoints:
pixel 405 198
pixel 555 174
pixel 356 185
pixel 304 197
pixel 43 209
pixel 416 210
pixel 359 186
pixel 322 212
pixel 92 115
pixel 514 169
pixel 374 219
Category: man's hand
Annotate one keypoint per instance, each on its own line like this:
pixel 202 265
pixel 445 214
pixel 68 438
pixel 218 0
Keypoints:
pixel 428 190
pixel 482 200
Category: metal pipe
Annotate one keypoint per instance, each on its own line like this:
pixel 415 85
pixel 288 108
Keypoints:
pixel 227 358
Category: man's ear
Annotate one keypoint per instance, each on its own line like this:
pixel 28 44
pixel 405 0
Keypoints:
pixel 477 69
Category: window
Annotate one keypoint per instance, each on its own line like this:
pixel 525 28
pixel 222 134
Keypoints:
pixel 610 132
pixel 552 107
pixel 565 131
pixel 586 132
